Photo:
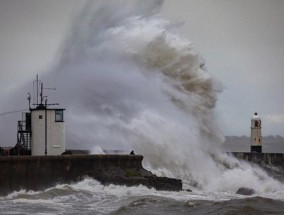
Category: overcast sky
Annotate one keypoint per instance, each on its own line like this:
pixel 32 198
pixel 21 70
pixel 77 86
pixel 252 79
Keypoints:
pixel 242 44
pixel 240 41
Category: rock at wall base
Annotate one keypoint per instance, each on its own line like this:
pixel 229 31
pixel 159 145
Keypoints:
pixel 245 191
pixel 135 177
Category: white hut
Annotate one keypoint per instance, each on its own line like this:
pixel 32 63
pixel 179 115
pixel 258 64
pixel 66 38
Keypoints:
pixel 47 131
pixel 42 131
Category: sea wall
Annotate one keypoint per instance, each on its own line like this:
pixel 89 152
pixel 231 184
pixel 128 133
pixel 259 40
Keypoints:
pixel 276 159
pixel 40 172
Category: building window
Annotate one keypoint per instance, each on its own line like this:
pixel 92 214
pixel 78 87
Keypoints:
pixel 59 116
pixel 40 116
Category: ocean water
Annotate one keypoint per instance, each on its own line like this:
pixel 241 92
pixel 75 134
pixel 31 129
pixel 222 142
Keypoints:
pixel 90 197
pixel 129 81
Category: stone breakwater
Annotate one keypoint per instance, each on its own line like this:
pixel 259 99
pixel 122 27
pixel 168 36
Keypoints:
pixel 273 163
pixel 41 172
pixel 276 159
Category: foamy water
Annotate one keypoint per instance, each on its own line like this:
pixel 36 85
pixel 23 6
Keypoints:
pixel 89 197
pixel 132 83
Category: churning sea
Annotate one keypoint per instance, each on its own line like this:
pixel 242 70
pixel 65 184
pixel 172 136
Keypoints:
pixel 91 197
pixel 128 79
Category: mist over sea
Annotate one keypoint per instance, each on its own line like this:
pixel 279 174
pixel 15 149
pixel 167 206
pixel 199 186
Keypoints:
pixel 131 82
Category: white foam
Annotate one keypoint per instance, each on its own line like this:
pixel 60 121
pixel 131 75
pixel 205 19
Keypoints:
pixel 131 82
pixel 90 195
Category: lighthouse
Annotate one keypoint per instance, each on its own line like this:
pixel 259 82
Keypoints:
pixel 256 138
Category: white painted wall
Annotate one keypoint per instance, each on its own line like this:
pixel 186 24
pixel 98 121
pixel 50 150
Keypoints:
pixel 55 133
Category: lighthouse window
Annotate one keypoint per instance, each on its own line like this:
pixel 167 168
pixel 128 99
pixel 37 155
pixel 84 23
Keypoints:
pixel 257 123
pixel 59 116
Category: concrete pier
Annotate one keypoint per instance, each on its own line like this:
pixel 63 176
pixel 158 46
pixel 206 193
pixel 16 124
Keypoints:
pixel 276 159
pixel 41 172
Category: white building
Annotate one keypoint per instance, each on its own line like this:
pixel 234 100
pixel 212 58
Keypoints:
pixel 256 137
pixel 47 131
pixel 41 131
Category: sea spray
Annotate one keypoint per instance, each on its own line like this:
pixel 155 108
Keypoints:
pixel 130 82
pixel 90 197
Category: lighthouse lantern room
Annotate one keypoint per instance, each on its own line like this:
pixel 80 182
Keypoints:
pixel 256 138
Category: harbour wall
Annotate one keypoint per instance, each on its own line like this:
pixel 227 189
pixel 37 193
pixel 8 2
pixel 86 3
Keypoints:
pixel 41 172
pixel 276 159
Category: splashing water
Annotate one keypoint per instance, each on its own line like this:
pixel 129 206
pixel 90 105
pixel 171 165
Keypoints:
pixel 130 82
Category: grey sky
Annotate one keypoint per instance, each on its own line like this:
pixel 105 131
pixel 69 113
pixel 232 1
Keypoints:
pixel 241 42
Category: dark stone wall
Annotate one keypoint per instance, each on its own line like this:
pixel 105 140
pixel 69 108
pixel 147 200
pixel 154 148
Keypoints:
pixel 267 161
pixel 40 172
pixel 276 159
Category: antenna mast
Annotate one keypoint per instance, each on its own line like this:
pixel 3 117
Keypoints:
pixel 41 93
pixel 37 90
pixel 40 97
